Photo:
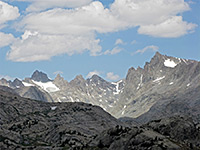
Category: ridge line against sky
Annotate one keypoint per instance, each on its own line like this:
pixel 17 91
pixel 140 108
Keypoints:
pixel 105 37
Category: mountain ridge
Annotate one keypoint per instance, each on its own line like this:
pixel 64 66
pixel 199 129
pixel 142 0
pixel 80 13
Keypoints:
pixel 138 95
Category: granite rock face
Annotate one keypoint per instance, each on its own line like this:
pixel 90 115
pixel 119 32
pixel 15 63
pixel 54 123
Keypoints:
pixel 180 128
pixel 30 124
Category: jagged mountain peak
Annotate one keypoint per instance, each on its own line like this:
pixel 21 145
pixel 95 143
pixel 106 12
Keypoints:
pixel 17 83
pixel 77 80
pixel 79 77
pixel 3 80
pixel 60 82
pixel 157 60
pixel 58 78
pixel 40 76
pixel 96 78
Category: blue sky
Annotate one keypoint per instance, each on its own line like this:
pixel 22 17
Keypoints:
pixel 104 37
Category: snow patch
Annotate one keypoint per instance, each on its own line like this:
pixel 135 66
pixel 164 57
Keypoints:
pixel 171 83
pixel 158 79
pixel 184 61
pixel 188 84
pixel 123 112
pixel 72 100
pixel 48 86
pixel 117 87
pixel 59 100
pixel 140 84
pixel 170 63
pixel 53 108
pixel 27 84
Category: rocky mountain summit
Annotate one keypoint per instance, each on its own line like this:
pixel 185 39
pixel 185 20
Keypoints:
pixel 165 86
pixel 30 124
pixel 40 76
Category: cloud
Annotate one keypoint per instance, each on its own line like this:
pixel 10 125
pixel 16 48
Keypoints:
pixel 90 18
pixel 95 72
pixel 6 39
pixel 119 42
pixel 113 51
pixel 7 13
pixel 147 48
pixel 39 5
pixel 171 28
pixel 6 77
pixel 59 31
pixel 143 12
pixel 58 72
pixel 37 47
pixel 133 42
pixel 111 76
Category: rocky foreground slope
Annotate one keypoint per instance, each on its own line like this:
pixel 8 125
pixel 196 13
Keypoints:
pixel 30 124
pixel 165 86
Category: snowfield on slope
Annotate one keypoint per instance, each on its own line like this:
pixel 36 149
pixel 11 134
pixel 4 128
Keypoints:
pixel 47 86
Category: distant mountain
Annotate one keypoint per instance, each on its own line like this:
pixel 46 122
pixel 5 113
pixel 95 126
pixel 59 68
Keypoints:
pixel 40 76
pixel 166 86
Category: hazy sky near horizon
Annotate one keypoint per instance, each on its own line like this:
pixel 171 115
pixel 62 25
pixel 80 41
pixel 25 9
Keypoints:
pixel 104 37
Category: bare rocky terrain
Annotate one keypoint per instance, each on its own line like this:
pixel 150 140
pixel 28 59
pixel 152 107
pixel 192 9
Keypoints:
pixel 30 124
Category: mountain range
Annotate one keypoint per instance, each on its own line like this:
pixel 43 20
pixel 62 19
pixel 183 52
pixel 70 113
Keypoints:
pixel 164 87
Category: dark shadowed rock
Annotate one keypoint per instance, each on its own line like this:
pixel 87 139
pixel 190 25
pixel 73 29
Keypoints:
pixel 40 76
pixel 28 123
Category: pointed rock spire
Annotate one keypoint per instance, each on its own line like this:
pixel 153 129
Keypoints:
pixel 40 76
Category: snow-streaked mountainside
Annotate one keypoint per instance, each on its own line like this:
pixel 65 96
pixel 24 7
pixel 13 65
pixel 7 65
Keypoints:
pixel 165 86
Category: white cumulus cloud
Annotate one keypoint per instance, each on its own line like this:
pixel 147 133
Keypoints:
pixel 171 28
pixel 59 30
pixel 36 47
pixel 95 72
pixel 144 12
pixel 6 39
pixel 39 5
pixel 7 13
pixel 111 76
